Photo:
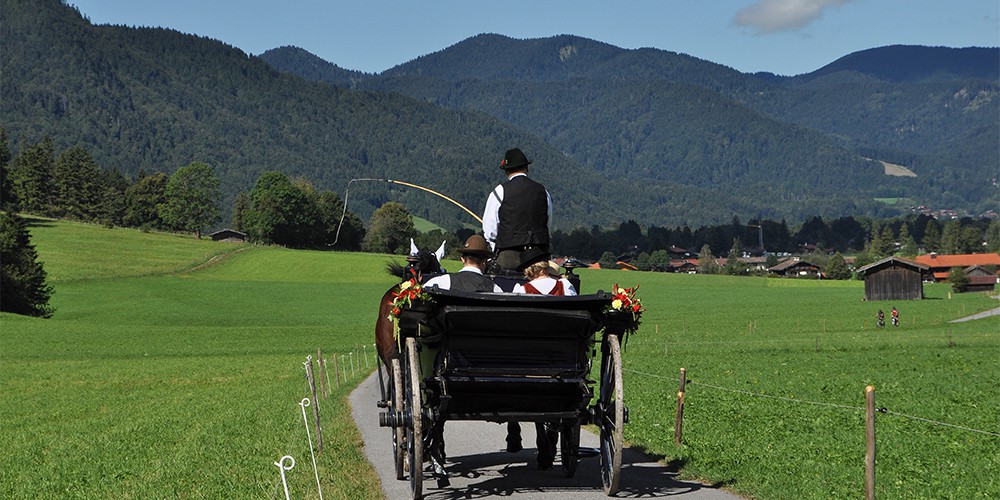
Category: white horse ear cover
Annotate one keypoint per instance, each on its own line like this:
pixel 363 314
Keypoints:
pixel 413 248
pixel 440 251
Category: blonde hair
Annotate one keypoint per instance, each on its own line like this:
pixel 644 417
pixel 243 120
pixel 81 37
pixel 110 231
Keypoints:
pixel 538 269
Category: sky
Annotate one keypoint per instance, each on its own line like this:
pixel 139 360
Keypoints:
pixel 786 37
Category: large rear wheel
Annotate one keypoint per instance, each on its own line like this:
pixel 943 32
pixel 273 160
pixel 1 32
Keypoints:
pixel 414 431
pixel 612 414
pixel 396 400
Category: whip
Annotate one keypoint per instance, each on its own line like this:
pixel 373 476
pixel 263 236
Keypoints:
pixel 402 183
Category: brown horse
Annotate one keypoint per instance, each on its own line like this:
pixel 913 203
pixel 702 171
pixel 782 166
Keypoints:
pixel 419 263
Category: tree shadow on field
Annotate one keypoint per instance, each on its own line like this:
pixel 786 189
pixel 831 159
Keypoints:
pixel 32 221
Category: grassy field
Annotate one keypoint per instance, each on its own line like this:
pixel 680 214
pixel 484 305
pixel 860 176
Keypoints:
pixel 173 367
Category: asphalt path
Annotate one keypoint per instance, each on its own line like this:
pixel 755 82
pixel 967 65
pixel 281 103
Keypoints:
pixel 479 467
pixel 984 314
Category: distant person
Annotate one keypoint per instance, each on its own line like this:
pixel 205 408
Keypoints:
pixel 517 215
pixel 880 319
pixel 895 316
pixel 475 256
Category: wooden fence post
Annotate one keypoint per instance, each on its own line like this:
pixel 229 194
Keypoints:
pixel 678 422
pixel 315 400
pixel 870 443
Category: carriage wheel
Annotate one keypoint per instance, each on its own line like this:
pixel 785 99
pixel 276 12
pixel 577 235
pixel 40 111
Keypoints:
pixel 612 414
pixel 414 431
pixel 569 443
pixel 396 390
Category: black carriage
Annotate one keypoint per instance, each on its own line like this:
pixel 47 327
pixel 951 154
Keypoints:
pixel 502 357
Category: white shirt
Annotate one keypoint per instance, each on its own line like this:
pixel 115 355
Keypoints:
pixel 545 284
pixel 444 281
pixel 491 215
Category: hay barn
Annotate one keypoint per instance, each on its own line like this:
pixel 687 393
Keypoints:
pixel 893 278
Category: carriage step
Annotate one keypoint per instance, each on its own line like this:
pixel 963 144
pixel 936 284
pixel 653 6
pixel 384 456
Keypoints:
pixel 588 452
pixel 382 403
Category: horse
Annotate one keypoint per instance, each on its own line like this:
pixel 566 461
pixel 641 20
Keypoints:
pixel 420 262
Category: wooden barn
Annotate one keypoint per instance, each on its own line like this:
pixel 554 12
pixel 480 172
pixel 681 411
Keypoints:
pixel 980 279
pixel 893 278
pixel 229 236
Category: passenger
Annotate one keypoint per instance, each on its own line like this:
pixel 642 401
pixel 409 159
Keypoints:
pixel 517 215
pixel 544 280
pixel 475 255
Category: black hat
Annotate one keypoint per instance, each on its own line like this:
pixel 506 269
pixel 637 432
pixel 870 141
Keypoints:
pixel 514 158
pixel 476 245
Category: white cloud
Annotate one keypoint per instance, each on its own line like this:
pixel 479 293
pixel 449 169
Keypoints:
pixel 772 16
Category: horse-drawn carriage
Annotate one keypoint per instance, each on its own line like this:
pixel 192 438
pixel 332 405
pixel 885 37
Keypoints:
pixel 502 357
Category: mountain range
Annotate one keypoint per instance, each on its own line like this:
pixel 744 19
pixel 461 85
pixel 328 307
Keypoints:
pixel 647 135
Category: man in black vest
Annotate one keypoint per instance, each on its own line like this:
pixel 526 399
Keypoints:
pixel 470 278
pixel 516 219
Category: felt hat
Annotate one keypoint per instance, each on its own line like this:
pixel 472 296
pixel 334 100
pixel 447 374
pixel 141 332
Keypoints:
pixel 514 158
pixel 553 269
pixel 476 245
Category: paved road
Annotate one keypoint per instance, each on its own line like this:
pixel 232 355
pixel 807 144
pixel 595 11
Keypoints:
pixel 984 314
pixel 478 467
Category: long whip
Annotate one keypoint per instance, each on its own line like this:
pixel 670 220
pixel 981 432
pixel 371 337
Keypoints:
pixel 393 181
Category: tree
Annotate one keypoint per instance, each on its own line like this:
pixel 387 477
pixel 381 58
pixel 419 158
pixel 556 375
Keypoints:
pixel 31 175
pixel 909 245
pixel 958 279
pixel 836 268
pixel 8 201
pixel 22 277
pixel 734 260
pixel 192 199
pixel 951 237
pixel 240 207
pixel 390 230
pixel 993 236
pixel 706 261
pixel 281 213
pixel 351 231
pixel 76 189
pixel 144 199
pixel 932 237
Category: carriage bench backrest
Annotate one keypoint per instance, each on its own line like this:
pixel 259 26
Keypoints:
pixel 517 335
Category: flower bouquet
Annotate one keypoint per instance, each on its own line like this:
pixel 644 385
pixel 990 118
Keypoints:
pixel 624 313
pixel 409 306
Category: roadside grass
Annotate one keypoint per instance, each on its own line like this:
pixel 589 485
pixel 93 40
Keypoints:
pixel 184 384
pixel 774 407
pixel 186 381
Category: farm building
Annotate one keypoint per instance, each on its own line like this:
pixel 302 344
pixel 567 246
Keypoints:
pixel 795 268
pixel 941 264
pixel 893 278
pixel 980 279
pixel 229 236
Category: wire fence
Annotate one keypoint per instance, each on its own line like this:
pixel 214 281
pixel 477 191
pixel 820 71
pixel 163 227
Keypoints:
pixel 882 410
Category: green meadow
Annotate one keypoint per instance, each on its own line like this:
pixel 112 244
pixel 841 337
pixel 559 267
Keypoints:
pixel 174 367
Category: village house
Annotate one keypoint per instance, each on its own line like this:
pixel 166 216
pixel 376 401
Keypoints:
pixel 941 264
pixel 795 268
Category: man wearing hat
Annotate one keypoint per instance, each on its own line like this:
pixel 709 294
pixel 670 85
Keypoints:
pixel 470 278
pixel 516 219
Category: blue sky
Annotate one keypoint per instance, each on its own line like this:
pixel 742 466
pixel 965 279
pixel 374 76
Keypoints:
pixel 786 37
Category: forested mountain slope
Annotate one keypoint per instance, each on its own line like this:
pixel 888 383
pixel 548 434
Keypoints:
pixel 155 99
pixel 798 142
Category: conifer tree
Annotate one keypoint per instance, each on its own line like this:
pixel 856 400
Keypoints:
pixel 22 277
